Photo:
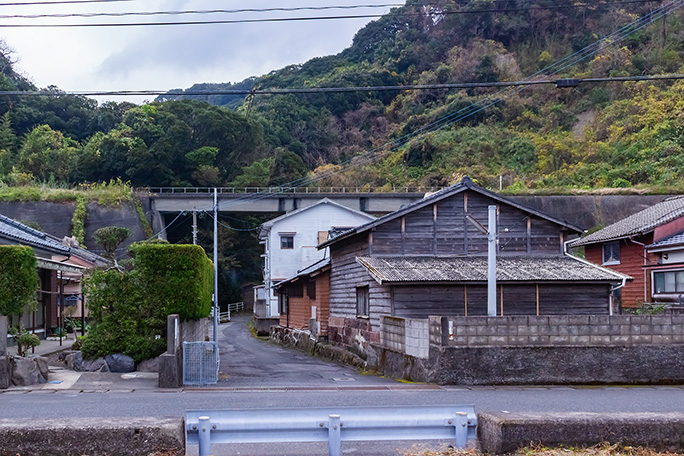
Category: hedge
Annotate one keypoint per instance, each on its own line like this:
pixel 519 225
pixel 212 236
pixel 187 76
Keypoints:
pixel 18 279
pixel 129 309
pixel 178 278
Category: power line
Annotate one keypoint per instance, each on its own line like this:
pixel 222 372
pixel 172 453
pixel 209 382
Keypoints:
pixel 64 2
pixel 214 11
pixel 302 8
pixel 488 101
pixel 300 19
pixel 561 83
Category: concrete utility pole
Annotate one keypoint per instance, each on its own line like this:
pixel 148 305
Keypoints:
pixel 194 227
pixel 491 262
pixel 490 231
pixel 216 306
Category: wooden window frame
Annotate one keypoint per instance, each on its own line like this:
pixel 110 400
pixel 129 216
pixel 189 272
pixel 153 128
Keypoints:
pixel 362 302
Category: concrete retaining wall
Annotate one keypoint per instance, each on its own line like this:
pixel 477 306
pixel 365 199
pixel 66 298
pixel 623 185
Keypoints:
pixel 501 433
pixel 171 361
pixel 79 436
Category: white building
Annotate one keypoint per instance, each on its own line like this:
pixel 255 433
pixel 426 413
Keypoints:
pixel 290 241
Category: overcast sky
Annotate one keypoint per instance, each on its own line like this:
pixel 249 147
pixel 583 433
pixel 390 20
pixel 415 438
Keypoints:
pixel 168 57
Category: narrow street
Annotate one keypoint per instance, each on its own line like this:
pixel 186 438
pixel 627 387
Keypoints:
pixel 250 362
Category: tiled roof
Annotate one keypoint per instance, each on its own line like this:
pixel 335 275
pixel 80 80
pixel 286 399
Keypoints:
pixel 465 184
pixel 675 239
pixel 22 234
pixel 474 269
pixel 637 224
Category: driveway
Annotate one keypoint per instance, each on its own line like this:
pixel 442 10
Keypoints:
pixel 250 362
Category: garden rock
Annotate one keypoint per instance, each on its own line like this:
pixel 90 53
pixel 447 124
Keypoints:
pixel 149 365
pixel 74 361
pixel 27 371
pixel 94 365
pixel 120 363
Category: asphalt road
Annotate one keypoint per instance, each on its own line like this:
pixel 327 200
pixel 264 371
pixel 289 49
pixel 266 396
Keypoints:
pixel 258 374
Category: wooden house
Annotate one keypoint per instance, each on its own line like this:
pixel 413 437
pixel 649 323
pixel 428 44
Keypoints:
pixel 647 246
pixel 428 259
pixel 304 300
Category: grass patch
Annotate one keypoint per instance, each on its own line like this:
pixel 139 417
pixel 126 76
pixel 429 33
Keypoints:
pixel 603 449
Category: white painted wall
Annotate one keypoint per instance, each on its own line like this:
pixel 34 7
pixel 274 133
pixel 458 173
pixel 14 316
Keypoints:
pixel 282 264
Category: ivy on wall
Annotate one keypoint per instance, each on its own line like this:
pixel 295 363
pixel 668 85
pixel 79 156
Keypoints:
pixel 18 279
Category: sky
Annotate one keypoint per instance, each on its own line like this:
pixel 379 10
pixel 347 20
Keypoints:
pixel 170 57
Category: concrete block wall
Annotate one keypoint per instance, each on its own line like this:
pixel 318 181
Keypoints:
pixel 405 335
pixel 558 330
pixel 393 333
pixel 417 338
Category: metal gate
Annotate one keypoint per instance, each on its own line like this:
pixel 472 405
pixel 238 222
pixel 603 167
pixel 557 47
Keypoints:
pixel 200 363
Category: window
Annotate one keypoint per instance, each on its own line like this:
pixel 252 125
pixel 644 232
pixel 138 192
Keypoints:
pixel 283 303
pixel 668 282
pixel 311 289
pixel 611 253
pixel 362 301
pixel 287 241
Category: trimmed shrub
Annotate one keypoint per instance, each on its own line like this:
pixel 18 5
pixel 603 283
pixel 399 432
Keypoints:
pixel 177 278
pixel 18 279
pixel 129 309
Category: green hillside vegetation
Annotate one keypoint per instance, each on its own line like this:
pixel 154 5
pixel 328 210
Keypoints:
pixel 620 135
pixel 596 135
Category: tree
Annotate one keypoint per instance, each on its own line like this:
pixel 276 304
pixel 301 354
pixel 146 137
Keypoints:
pixel 18 279
pixel 47 154
pixel 110 237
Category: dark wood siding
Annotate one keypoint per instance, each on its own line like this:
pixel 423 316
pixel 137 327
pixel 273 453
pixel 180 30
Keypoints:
pixel 419 228
pixel 346 275
pixel 589 299
pixel 416 301
pixel 387 239
pixel 545 237
pixel 449 226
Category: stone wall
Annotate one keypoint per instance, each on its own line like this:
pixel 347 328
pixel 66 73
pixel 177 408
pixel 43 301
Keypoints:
pixel 353 334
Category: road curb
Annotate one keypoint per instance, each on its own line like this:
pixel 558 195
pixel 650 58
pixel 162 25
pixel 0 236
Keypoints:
pixel 501 433
pixel 80 436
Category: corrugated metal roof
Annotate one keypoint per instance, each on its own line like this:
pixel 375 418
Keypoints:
pixel 474 269
pixel 463 185
pixel 637 224
pixel 22 234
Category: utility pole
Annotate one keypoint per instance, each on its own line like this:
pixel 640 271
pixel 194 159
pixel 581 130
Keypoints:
pixel 194 227
pixel 491 262
pixel 216 306
pixel 490 231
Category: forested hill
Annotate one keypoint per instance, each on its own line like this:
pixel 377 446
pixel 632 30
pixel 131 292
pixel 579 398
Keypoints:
pixel 594 135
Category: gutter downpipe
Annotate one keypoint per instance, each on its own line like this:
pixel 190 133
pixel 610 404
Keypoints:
pixel 582 260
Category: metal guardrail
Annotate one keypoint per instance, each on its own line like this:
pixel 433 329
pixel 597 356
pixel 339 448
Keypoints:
pixel 279 190
pixel 334 425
